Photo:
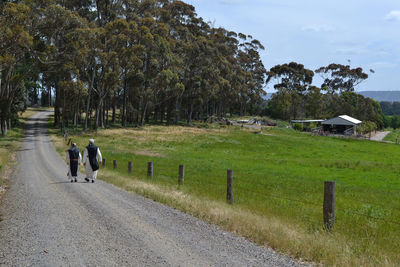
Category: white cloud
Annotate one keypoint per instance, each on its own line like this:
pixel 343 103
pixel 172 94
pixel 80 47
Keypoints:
pixel 393 15
pixel 382 65
pixel 353 51
pixel 319 28
pixel 231 2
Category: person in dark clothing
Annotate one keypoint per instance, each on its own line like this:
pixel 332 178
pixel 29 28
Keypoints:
pixel 73 160
pixel 91 159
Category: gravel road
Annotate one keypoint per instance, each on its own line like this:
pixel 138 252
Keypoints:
pixel 380 136
pixel 48 221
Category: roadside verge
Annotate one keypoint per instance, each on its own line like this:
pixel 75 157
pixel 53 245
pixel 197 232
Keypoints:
pixel 9 146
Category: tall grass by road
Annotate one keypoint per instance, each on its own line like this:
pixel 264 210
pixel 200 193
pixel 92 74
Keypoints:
pixel 278 185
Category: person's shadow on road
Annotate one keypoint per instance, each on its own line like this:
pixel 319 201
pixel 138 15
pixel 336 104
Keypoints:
pixel 69 182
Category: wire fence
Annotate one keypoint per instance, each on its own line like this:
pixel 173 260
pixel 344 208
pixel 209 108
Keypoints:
pixel 373 217
pixel 268 195
pixel 242 186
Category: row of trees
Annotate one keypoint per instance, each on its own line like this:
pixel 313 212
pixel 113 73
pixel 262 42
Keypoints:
pixel 392 121
pixel 137 59
pixel 390 108
pixel 296 97
pixel 131 61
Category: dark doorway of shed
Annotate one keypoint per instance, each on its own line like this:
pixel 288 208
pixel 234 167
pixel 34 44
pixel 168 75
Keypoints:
pixel 339 129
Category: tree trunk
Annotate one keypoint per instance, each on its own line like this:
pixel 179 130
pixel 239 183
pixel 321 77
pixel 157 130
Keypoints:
pixel 85 126
pixel 144 111
pixel 113 109
pixel 96 121
pixel 113 113
pixel 169 114
pixel 3 127
pixel 49 89
pixel 162 114
pixel 177 110
pixel 107 120
pixel 100 124
pixel 189 116
pixel 123 113
pixel 77 111
pixel 104 113
pixel 57 107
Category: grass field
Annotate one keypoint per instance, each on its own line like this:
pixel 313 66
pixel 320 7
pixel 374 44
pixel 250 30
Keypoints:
pixel 394 136
pixel 278 185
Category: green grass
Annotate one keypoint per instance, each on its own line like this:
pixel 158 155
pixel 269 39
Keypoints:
pixel 394 136
pixel 278 173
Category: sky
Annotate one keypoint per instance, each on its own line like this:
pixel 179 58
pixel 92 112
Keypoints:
pixel 316 33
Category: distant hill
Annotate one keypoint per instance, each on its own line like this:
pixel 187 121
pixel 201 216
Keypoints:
pixel 391 96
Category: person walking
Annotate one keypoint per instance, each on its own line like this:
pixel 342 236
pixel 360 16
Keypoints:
pixel 73 160
pixel 91 159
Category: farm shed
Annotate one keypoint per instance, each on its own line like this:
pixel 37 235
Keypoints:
pixel 341 125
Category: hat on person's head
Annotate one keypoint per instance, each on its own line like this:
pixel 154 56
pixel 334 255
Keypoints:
pixel 73 144
pixel 91 141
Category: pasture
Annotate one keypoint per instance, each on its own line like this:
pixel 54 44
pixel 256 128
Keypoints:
pixel 279 177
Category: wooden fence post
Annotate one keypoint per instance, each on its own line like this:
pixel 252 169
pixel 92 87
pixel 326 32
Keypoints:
pixel 104 162
pixel 130 166
pixel 115 163
pixel 229 191
pixel 181 176
pixel 329 204
pixel 150 169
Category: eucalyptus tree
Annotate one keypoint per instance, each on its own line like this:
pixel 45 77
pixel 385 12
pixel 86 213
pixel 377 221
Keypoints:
pixel 294 79
pixel 106 73
pixel 314 102
pixel 340 78
pixel 16 44
pixel 54 58
pixel 145 57
pixel 252 72
pixel 123 38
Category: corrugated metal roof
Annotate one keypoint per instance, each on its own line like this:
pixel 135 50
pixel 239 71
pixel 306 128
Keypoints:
pixel 342 120
pixel 348 118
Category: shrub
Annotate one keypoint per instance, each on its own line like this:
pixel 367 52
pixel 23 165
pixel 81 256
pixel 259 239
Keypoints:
pixel 367 127
pixel 298 127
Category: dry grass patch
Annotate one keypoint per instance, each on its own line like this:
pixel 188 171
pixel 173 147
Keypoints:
pixel 148 153
pixel 275 233
pixel 160 133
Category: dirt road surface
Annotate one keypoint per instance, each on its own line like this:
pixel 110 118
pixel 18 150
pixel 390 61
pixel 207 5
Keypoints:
pixel 48 221
pixel 379 136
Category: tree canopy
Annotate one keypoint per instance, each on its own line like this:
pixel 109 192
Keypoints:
pixel 149 59
pixel 133 61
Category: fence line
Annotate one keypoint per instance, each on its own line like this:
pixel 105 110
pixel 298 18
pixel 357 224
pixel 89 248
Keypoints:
pixel 244 183
pixel 277 197
pixel 210 183
pixel 379 190
pixel 231 188
pixel 377 205
pixel 372 217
